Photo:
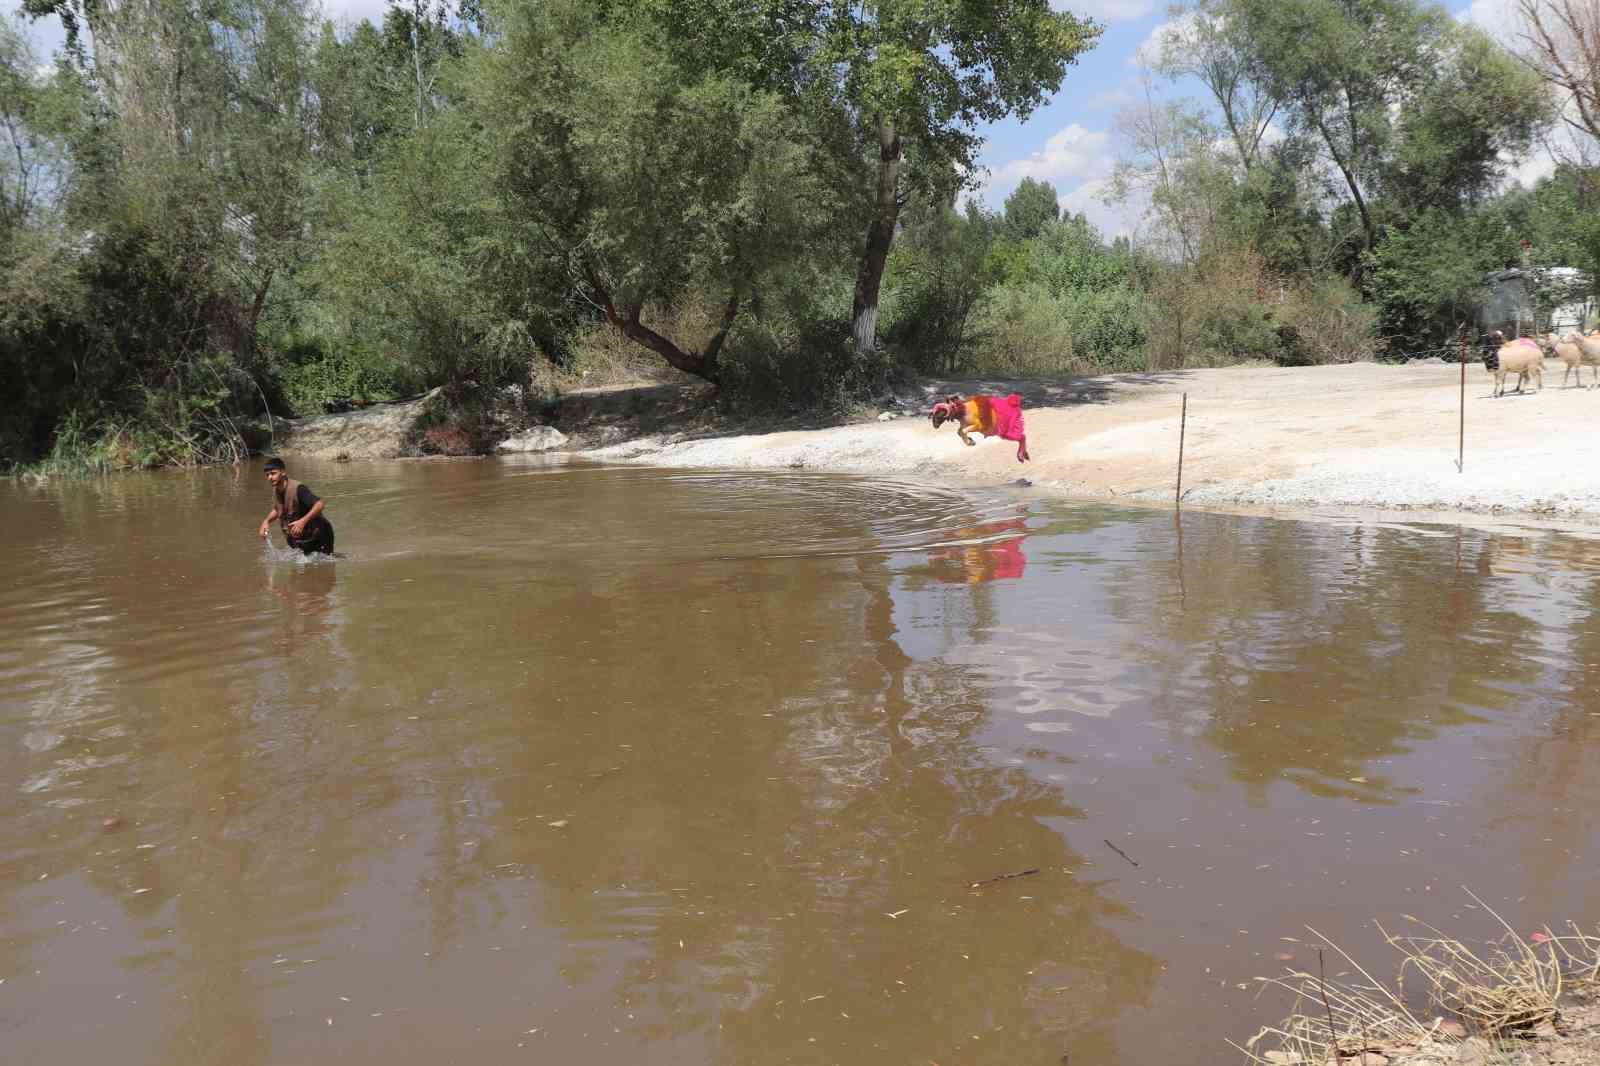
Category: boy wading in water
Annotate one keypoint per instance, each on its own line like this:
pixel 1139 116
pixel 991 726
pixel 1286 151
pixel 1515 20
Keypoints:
pixel 299 510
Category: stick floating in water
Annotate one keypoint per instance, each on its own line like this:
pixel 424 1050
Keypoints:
pixel 1119 851
pixel 1005 877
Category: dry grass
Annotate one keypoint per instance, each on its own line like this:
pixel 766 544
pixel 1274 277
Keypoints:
pixel 602 357
pixel 1505 987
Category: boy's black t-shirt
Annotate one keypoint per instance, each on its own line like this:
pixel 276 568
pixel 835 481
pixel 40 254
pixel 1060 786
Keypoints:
pixel 306 499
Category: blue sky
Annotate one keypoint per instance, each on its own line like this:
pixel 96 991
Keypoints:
pixel 1069 141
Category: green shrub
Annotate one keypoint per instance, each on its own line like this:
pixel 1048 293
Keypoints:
pixel 1107 326
pixel 1236 329
pixel 1021 331
pixel 1025 331
pixel 809 365
pixel 1325 322
pixel 314 376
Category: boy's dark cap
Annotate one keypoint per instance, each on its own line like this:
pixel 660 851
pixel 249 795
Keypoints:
pixel 272 464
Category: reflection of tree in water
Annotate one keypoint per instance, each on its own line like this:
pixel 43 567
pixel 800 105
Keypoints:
pixel 1304 651
pixel 217 765
pixel 1553 788
pixel 746 760
pixel 765 783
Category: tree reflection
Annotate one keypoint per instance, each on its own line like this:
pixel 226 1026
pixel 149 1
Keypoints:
pixel 1306 652
pixel 1554 783
pixel 782 811
pixel 183 776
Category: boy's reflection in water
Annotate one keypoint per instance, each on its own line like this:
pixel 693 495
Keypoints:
pixel 307 591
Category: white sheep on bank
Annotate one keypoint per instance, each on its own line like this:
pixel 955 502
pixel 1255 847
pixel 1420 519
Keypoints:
pixel 1588 354
pixel 1576 351
pixel 1522 357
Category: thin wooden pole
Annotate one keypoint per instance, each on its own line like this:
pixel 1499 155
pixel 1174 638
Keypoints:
pixel 1461 433
pixel 1183 427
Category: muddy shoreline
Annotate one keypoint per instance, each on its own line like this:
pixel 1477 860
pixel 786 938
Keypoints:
pixel 1361 440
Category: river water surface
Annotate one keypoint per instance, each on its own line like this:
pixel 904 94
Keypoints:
pixel 571 764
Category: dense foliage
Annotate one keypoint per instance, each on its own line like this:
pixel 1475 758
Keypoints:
pixel 210 214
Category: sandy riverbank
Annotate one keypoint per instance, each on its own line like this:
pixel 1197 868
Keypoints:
pixel 1362 436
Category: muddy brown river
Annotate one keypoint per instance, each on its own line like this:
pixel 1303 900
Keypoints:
pixel 567 764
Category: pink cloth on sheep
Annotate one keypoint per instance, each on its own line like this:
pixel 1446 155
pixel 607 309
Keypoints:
pixel 1008 422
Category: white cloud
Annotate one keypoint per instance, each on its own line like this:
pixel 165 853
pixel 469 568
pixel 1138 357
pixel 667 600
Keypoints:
pixel 1107 10
pixel 45 34
pixel 1541 164
pixel 1111 219
pixel 1073 152
pixel 354 11
pixel 1149 51
pixel 1497 18
pixel 1112 99
pixel 48 37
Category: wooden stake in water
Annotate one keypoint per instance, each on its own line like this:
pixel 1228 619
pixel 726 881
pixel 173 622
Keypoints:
pixel 1183 426
pixel 1461 434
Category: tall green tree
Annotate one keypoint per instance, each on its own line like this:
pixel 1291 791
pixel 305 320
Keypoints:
pixel 1172 155
pixel 920 76
pixel 639 177
pixel 190 141
pixel 1341 68
pixel 403 263
pixel 1402 98
pixel 938 274
pixel 1031 207
pixel 40 298
pixel 1276 209
pixel 1475 107
pixel 1427 278
pixel 1207 42
pixel 34 165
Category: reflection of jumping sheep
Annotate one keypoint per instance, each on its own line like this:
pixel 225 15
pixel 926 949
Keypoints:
pixel 997 556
